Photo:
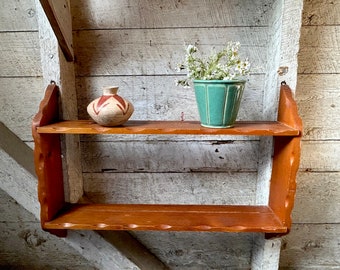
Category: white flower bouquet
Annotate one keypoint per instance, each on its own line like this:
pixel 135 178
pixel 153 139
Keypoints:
pixel 223 65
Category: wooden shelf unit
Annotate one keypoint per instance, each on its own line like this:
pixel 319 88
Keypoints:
pixel 169 127
pixel 57 216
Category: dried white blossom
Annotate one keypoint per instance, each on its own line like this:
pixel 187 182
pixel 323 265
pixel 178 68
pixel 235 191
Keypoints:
pixel 223 65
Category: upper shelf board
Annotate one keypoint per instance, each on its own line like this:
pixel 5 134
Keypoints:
pixel 260 128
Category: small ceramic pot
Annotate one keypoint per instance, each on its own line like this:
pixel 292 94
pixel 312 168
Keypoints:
pixel 218 101
pixel 110 109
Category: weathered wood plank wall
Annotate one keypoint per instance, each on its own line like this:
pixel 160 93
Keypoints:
pixel 23 244
pixel 137 46
pixel 20 69
pixel 315 237
pixel 112 40
pixel 314 240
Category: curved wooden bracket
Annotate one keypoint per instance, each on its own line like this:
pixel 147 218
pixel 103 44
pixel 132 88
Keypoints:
pixel 47 155
pixel 286 160
pixel 288 110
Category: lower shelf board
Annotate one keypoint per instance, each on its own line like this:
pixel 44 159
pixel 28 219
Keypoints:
pixel 213 218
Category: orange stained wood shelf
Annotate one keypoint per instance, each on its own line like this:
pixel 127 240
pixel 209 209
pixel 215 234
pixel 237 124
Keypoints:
pixel 168 218
pixel 57 216
pixel 170 127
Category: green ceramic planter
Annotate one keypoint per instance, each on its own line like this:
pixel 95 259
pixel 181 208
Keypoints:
pixel 218 101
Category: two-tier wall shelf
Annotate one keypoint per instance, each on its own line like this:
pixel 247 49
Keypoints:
pixel 57 216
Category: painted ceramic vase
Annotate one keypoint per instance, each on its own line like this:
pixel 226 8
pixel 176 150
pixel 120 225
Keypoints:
pixel 218 101
pixel 110 109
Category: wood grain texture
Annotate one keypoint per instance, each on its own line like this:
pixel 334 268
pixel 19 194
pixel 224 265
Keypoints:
pixel 168 218
pixel 18 16
pixel 286 159
pixel 320 156
pixel 264 170
pixel 22 187
pixel 156 59
pixel 25 246
pixel 47 155
pixel 258 128
pixel 266 253
pixel 195 250
pixel 17 149
pixel 158 97
pixel 170 14
pixel 313 242
pixel 19 54
pixel 175 188
pixel 145 67
pixel 288 110
pixel 320 53
pixel 56 68
pixel 283 183
pixel 158 51
pixel 317 98
pixel 290 40
pixel 13 114
pixel 311 246
pixel 24 192
pixel 133 250
pixel 59 16
pixel 156 156
pixel 321 188
pixel 100 252
pixel 321 13
pixel 270 83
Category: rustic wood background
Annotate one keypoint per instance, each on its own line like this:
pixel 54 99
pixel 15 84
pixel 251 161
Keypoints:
pixel 315 237
pixel 137 46
pixel 139 51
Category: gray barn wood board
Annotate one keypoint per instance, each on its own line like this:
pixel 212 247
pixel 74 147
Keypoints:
pixel 24 193
pixel 158 98
pixel 323 156
pixel 317 85
pixel 13 92
pixel 318 106
pixel 154 156
pixel 169 14
pixel 321 51
pixel 56 68
pixel 175 188
pixel 192 250
pixel 25 246
pixel 60 19
pixel 283 46
pixel 273 49
pixel 100 253
pixel 266 253
pixel 321 60
pixel 323 189
pixel 131 50
pixel 157 51
pixel 18 16
pixel 314 240
pixel 21 84
pixel 321 13
pixel 311 246
pixel 19 55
